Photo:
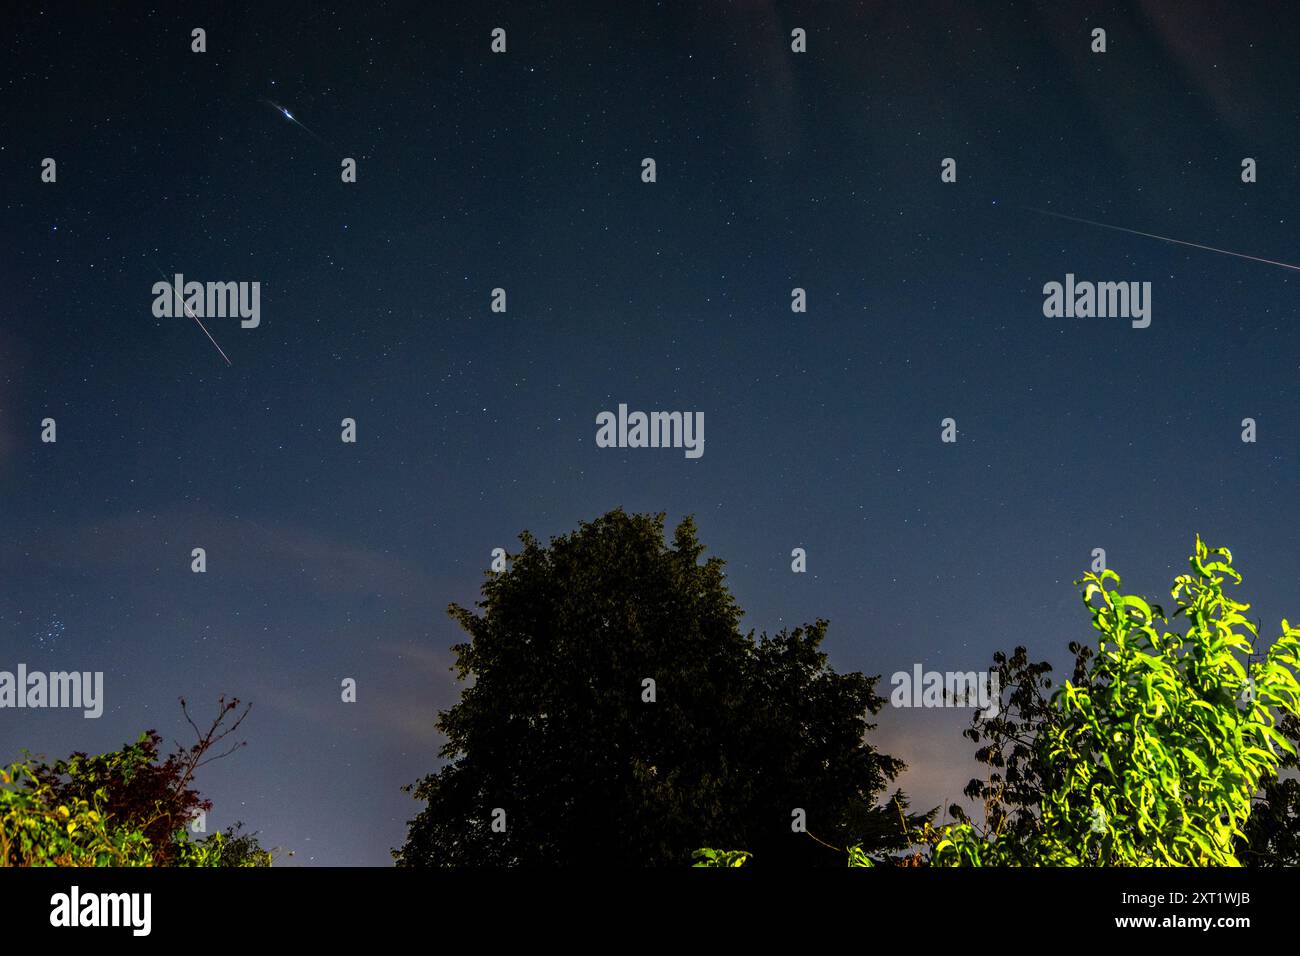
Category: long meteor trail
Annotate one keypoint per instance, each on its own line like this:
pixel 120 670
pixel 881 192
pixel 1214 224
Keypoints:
pixel 1152 235
pixel 190 313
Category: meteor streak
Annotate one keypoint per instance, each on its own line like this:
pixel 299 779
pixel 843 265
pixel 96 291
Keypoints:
pixel 190 313
pixel 292 119
pixel 1180 242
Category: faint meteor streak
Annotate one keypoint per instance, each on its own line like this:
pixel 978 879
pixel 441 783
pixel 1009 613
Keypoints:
pixel 190 313
pixel 1180 242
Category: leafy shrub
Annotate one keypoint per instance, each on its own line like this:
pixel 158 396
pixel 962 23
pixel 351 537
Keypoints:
pixel 1154 758
pixel 128 807
pixel 707 857
pixel 37 829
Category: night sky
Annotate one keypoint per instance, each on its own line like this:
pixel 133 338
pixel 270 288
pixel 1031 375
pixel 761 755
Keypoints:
pixel 522 171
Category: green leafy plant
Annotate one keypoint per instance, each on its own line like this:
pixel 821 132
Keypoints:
pixel 1155 756
pixel 128 807
pixel 38 829
pixel 855 855
pixel 707 857
pixel 231 848
pixel 858 857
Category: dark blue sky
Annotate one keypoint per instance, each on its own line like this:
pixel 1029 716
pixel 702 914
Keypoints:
pixel 522 171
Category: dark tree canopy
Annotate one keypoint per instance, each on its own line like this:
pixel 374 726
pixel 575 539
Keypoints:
pixel 1018 774
pixel 554 729
pixel 1273 830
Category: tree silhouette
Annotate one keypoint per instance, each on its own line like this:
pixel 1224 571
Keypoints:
pixel 557 729
pixel 1273 830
